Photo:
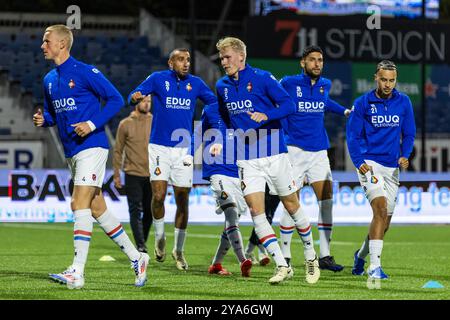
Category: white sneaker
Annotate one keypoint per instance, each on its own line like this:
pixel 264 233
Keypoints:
pixel 180 260
pixel 312 270
pixel 160 249
pixel 281 274
pixel 72 279
pixel 140 269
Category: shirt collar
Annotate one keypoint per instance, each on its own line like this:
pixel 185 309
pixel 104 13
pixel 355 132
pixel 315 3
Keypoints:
pixel 373 97
pixel 173 73
pixel 67 64
pixel 307 79
pixel 243 74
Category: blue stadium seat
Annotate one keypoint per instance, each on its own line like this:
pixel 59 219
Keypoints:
pixel 25 57
pixel 6 58
pixel 119 69
pixel 154 51
pixel 125 61
pixel 28 81
pixel 38 92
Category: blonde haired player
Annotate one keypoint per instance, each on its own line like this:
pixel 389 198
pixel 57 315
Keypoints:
pixel 252 102
pixel 72 93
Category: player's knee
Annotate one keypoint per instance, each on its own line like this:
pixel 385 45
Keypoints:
pixel 182 196
pixel 73 206
pixel 76 205
pixel 254 211
pixel 291 205
pixel 158 198
pixel 380 211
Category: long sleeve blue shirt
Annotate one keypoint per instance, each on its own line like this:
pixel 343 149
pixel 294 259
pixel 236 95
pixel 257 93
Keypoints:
pixel 305 128
pixel 72 93
pixel 376 126
pixel 255 91
pixel 173 105
pixel 215 131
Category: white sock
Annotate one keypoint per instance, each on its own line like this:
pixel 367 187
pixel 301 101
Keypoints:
pixel 375 249
pixel 179 238
pixel 222 249
pixel 82 232
pixel 233 232
pixel 158 227
pixel 304 230
pixel 113 228
pixel 287 227
pixel 364 251
pixel 267 237
pixel 325 225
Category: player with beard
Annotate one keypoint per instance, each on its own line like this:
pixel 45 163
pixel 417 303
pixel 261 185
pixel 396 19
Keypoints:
pixel 307 142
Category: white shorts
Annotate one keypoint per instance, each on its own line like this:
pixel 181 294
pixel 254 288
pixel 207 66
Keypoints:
pixel 173 165
pixel 381 182
pixel 312 165
pixel 275 170
pixel 88 167
pixel 227 190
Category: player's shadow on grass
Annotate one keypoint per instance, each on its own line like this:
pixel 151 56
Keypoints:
pixel 26 296
pixel 424 276
pixel 33 275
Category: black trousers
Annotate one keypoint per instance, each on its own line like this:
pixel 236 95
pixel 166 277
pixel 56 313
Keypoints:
pixel 139 197
pixel 271 203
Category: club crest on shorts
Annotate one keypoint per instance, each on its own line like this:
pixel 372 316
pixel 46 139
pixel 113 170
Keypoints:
pixel 373 180
pixel 71 84
pixel 224 195
pixel 188 87
pixel 249 87
pixel 157 171
pixel 94 177
pixel 243 186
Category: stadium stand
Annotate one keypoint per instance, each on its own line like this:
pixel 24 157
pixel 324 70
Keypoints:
pixel 126 61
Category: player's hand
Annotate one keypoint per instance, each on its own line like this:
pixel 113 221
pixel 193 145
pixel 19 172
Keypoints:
pixel 188 160
pixel 38 118
pixel 347 112
pixel 137 97
pixel 257 116
pixel 216 149
pixel 117 182
pixel 364 168
pixel 403 162
pixel 82 129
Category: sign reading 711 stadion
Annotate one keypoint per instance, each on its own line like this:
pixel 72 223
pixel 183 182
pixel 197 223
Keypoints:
pixel 346 38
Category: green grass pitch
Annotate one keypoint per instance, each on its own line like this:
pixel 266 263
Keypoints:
pixel 412 256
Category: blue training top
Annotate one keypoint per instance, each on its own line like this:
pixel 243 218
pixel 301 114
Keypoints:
pixel 255 91
pixel 305 128
pixel 173 100
pixel 72 93
pixel 375 127
pixel 216 132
